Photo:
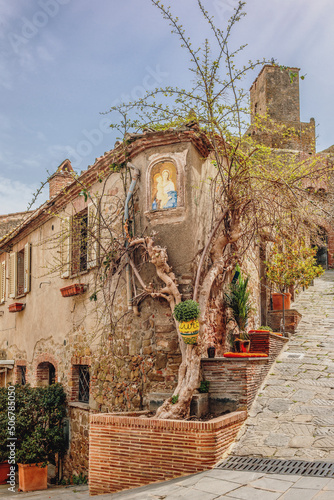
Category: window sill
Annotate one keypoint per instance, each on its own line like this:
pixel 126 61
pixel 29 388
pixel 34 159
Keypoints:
pixel 169 214
pixel 78 404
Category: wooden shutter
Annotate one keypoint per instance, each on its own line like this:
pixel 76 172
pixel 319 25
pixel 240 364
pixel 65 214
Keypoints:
pixel 65 247
pixel 12 275
pixel 93 236
pixel 27 257
pixel 2 282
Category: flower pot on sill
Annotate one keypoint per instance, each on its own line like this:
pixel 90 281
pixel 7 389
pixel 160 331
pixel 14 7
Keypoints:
pixel 189 331
pixel 74 289
pixel 242 345
pixel 4 472
pixel 16 307
pixel 32 477
pixel 278 301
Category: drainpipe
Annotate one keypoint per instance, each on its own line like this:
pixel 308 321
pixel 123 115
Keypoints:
pixel 135 177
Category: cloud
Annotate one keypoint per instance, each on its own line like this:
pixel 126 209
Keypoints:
pixel 16 196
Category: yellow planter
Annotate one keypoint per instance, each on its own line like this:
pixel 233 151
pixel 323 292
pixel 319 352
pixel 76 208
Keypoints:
pixel 189 331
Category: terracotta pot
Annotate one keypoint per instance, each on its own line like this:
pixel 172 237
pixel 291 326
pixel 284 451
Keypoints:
pixel 211 352
pixel 278 301
pixel 74 289
pixel 16 307
pixel 4 472
pixel 33 477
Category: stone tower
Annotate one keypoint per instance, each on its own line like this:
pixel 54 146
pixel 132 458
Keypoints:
pixel 274 92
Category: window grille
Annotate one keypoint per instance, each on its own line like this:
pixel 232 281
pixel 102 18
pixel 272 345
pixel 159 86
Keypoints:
pixel 84 384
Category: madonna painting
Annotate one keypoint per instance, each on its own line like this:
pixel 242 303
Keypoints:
pixel 163 186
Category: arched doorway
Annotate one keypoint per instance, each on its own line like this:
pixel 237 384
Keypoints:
pixel 46 374
pixel 322 248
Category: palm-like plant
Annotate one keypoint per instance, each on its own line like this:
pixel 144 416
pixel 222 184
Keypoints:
pixel 237 298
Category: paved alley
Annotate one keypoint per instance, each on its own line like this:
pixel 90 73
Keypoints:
pixel 293 415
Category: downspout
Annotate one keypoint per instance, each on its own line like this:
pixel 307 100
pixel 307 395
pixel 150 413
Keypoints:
pixel 135 177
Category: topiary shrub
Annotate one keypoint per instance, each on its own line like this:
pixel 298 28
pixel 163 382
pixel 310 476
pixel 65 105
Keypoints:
pixel 186 311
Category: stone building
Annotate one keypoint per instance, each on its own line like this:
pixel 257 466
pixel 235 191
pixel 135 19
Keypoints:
pixel 54 321
pixel 59 318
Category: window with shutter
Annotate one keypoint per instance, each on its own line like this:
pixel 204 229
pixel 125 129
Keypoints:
pixel 12 292
pixel 19 272
pixel 2 282
pixel 93 236
pixel 26 280
pixel 65 247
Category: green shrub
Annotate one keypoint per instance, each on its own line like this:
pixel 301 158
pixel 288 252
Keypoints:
pixel 265 328
pixel 204 387
pixel 39 413
pixel 175 399
pixel 186 311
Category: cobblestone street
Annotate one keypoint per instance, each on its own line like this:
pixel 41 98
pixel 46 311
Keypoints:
pixel 293 415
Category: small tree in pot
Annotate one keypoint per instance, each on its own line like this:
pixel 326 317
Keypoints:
pixel 237 299
pixel 39 418
pixel 294 266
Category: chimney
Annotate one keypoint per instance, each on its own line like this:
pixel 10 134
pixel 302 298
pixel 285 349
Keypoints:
pixel 61 178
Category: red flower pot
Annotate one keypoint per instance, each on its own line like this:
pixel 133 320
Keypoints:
pixel 4 472
pixel 16 307
pixel 278 301
pixel 75 289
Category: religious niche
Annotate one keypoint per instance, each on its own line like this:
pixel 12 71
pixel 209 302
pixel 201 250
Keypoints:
pixel 163 186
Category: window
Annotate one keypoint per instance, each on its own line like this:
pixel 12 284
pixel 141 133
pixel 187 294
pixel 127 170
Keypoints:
pixel 84 383
pixel 46 374
pixel 22 375
pixel 79 247
pixel 2 282
pixel 19 272
pixel 79 242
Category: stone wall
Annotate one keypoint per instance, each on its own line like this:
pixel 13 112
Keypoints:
pixel 76 459
pixel 128 451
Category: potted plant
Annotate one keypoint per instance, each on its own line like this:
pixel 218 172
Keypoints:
pixel 39 415
pixel 237 299
pixel 4 465
pixel 186 313
pixel 74 289
pixel 294 266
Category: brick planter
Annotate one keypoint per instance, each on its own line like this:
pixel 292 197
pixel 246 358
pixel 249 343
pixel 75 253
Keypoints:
pixel 292 318
pixel 128 451
pixel 234 382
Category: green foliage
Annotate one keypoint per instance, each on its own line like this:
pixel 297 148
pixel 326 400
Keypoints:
pixel 175 399
pixel 186 311
pixel 237 298
pixel 204 387
pixel 80 479
pixel 3 424
pixel 39 413
pixel 295 265
pixel 265 328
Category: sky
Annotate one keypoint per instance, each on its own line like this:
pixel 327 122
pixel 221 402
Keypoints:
pixel 64 63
